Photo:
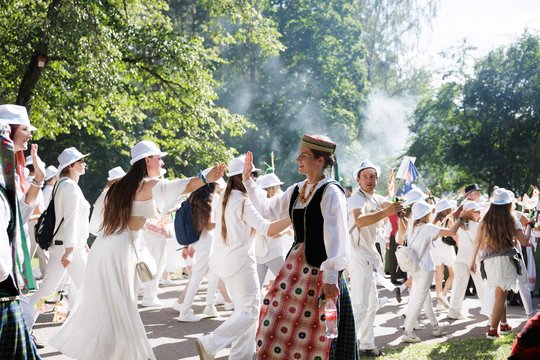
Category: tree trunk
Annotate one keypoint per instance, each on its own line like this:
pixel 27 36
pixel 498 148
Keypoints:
pixel 29 82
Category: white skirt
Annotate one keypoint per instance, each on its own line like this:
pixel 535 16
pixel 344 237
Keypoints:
pixel 501 273
pixel 105 322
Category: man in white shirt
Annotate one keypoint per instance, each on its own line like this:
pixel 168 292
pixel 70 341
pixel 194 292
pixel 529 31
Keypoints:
pixel 367 211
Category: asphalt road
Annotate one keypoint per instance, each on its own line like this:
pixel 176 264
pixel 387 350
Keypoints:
pixel 172 339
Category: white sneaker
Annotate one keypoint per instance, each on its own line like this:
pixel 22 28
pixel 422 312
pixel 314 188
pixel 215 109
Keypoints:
pixel 203 354
pixel 177 306
pixel 439 307
pixel 211 311
pixel 228 306
pixel 410 338
pixel 383 301
pixel 167 282
pixel 439 331
pixel 219 299
pixel 151 303
pixel 188 316
pixel 443 300
pixel 455 314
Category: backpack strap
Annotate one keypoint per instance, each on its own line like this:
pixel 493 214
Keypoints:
pixel 55 189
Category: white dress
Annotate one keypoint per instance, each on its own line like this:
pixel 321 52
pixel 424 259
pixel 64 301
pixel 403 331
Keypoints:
pixel 105 323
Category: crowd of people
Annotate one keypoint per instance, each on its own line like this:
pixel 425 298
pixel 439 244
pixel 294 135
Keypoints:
pixel 274 256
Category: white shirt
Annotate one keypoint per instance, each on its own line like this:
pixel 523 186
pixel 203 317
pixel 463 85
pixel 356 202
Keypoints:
pixel 364 238
pixel 71 205
pixel 96 220
pixel 334 211
pixel 466 241
pixel 241 218
pixel 420 239
pixel 6 262
pixel 47 193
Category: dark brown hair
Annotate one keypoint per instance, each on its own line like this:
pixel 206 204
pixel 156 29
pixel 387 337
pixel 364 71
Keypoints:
pixel 119 199
pixel 441 215
pixel 498 226
pixel 233 183
pixel 329 159
pixel 201 202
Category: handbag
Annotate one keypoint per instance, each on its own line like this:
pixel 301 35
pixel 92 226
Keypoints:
pixel 142 269
pixel 448 240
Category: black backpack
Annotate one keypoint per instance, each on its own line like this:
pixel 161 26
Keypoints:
pixel 44 228
pixel 184 229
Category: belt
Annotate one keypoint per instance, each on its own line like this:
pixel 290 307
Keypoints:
pixel 9 298
pixel 58 242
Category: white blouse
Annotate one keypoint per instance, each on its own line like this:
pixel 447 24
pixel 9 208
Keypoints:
pixel 334 211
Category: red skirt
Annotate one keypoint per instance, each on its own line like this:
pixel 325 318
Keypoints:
pixel 290 324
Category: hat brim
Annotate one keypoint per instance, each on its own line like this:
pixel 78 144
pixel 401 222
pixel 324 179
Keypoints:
pixel 428 210
pixel 147 154
pixel 238 172
pixel 63 166
pixel 357 171
pixel 412 201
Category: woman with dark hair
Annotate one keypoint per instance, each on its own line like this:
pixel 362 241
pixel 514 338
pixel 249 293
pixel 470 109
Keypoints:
pixel 291 323
pixel 106 324
pixel 499 262
pixel 233 258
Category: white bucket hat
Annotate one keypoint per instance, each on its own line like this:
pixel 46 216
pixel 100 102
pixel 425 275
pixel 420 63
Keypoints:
pixel 50 172
pixel 15 115
pixel 421 209
pixel 366 164
pixel 116 173
pixel 268 180
pixel 68 157
pixel 219 181
pixel 445 204
pixel 413 196
pixel 501 196
pixel 28 161
pixel 471 206
pixel 236 166
pixel 144 149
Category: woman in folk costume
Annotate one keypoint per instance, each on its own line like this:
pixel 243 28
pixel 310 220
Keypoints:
pixel 15 340
pixel 105 323
pixel 499 261
pixel 291 323
pixel 233 258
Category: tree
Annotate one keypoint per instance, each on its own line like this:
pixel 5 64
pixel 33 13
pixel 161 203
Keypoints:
pixel 487 129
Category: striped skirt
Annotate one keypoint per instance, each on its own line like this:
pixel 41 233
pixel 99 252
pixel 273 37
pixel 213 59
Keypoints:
pixel 15 341
pixel 291 326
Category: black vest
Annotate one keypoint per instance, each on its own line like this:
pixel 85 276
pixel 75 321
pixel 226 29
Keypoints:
pixel 308 224
pixel 9 286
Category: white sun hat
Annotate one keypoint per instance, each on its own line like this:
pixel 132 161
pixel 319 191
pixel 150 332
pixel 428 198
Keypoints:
pixel 68 157
pixel 268 180
pixel 420 209
pixel 366 164
pixel 236 166
pixel 501 197
pixel 50 172
pixel 116 173
pixel 445 204
pixel 219 181
pixel 413 196
pixel 144 149
pixel 471 206
pixel 28 161
pixel 15 115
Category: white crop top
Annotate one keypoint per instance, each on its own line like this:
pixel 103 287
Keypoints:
pixel 143 208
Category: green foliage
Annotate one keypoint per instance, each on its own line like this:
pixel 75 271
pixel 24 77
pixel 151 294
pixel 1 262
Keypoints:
pixel 487 129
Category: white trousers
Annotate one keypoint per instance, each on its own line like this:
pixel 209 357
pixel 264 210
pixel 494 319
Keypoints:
pixel 524 291
pixel 364 300
pixel 55 276
pixel 199 269
pixel 461 280
pixel 420 297
pixel 155 243
pixel 42 255
pixel 240 328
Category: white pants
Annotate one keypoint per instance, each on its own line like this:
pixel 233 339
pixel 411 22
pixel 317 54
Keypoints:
pixel 240 328
pixel 55 276
pixel 364 300
pixel 42 255
pixel 524 291
pixel 199 269
pixel 155 243
pixel 461 280
pixel 420 297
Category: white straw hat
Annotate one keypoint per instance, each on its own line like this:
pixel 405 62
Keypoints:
pixel 15 115
pixel 116 173
pixel 50 172
pixel 420 209
pixel 236 166
pixel 445 204
pixel 268 180
pixel 501 197
pixel 68 157
pixel 413 196
pixel 366 164
pixel 144 149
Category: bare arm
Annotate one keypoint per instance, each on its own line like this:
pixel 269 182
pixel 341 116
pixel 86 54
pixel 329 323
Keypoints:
pixel 363 220
pixel 279 225
pixel 476 246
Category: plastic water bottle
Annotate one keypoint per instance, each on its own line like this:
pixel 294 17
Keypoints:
pixel 330 316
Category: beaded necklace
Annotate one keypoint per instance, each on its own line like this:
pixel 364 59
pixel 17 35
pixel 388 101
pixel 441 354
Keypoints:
pixel 302 197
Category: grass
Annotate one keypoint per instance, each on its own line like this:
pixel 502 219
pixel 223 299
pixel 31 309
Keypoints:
pixel 473 348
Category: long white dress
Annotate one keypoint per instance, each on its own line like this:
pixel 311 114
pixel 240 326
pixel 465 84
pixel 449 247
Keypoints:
pixel 105 323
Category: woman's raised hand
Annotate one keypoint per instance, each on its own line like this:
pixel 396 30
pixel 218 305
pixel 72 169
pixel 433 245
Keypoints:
pixel 248 166
pixel 39 175
pixel 216 172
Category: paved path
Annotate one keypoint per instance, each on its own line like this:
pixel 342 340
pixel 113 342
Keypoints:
pixel 171 339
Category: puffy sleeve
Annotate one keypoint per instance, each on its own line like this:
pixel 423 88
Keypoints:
pixel 276 207
pixel 336 237
pixel 5 247
pixel 254 219
pixel 167 193
pixel 355 202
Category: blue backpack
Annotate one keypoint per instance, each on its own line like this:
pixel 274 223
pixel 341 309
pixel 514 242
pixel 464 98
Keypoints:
pixel 184 229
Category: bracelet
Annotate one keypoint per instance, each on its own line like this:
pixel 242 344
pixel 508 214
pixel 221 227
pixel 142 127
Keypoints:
pixel 36 184
pixel 201 176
